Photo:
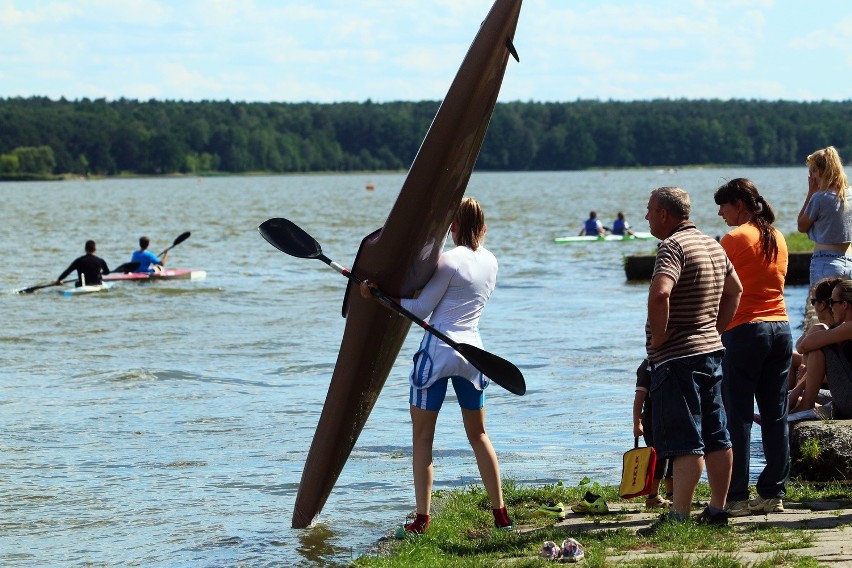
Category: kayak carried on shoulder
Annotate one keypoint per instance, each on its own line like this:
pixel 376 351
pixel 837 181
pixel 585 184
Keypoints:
pixel 165 274
pixel 605 238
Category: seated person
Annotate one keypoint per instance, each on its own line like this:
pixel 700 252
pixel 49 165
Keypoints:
pixel 829 353
pixel 620 226
pixel 148 261
pixel 822 320
pixel 89 267
pixel 592 226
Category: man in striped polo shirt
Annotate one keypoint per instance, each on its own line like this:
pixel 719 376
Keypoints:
pixel 693 296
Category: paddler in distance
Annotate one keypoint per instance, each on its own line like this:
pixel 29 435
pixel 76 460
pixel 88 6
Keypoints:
pixel 455 296
pixel 148 261
pixel 592 227
pixel 620 226
pixel 89 267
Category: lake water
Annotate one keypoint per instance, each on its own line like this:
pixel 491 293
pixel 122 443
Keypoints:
pixel 168 423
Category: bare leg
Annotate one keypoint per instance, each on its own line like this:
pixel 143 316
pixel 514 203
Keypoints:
pixel 423 434
pixel 796 393
pixel 687 473
pixel 719 465
pixel 798 361
pixel 486 457
pixel 813 381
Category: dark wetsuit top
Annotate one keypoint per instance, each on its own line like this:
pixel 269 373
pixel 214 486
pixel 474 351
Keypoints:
pixel 90 266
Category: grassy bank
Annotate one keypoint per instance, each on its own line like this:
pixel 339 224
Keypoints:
pixel 796 242
pixel 461 533
pixel 799 242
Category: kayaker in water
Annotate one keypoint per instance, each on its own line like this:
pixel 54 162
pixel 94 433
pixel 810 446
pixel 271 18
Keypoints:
pixel 89 267
pixel 148 261
pixel 620 226
pixel 455 296
pixel 592 226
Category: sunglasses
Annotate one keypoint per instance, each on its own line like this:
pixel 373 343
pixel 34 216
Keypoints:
pixel 832 301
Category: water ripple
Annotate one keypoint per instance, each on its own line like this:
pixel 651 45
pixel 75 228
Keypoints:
pixel 168 423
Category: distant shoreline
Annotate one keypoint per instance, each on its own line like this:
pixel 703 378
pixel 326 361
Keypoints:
pixel 78 177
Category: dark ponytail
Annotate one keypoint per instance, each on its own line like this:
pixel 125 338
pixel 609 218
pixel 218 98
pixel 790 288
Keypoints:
pixel 742 189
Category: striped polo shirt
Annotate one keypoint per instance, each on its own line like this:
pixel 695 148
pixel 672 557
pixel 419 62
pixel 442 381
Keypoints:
pixel 698 265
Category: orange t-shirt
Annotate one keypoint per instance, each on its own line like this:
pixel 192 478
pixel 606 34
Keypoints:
pixel 763 282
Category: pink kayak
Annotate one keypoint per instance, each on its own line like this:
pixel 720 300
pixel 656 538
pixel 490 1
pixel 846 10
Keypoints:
pixel 166 274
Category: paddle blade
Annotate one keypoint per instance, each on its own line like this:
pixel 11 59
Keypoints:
pixel 32 289
pixel 126 267
pixel 182 237
pixel 289 238
pixel 495 368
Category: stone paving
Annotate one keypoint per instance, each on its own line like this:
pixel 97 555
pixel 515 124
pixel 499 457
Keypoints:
pixel 829 522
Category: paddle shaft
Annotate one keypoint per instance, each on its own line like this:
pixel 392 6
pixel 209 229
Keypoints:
pixel 291 239
pixel 180 238
pixel 32 289
pixel 168 248
pixel 393 305
pixel 487 363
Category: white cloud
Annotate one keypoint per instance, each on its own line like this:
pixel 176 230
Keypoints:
pixel 410 49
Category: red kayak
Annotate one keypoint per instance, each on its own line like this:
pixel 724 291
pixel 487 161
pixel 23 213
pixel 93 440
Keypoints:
pixel 166 274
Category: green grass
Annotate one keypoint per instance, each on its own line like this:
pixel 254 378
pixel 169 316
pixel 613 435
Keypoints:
pixel 829 491
pixel 810 449
pixel 461 534
pixel 798 242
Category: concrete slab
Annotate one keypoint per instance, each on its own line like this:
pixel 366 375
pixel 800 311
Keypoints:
pixel 830 523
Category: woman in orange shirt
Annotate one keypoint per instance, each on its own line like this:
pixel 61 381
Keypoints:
pixel 758 347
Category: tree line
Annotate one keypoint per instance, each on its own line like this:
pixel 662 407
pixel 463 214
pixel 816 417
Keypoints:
pixel 42 136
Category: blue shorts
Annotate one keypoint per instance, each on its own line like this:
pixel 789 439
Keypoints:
pixel 432 398
pixel 825 263
pixel 689 417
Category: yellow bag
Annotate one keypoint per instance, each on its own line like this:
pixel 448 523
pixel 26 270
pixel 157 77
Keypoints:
pixel 637 474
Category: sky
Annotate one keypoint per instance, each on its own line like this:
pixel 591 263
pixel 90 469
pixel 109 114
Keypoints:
pixel 391 50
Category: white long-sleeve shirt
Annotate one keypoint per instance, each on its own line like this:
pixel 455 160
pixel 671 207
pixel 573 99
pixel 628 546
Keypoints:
pixel 455 296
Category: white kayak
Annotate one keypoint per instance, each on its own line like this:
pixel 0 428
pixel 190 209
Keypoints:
pixel 607 238
pixel 86 289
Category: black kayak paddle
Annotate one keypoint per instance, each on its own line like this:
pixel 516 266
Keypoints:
pixel 289 238
pixel 32 289
pixel 131 266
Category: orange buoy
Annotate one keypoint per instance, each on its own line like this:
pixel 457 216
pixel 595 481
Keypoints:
pixel 370 186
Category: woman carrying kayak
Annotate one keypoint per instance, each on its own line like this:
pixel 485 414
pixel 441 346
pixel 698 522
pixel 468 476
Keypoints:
pixel 455 296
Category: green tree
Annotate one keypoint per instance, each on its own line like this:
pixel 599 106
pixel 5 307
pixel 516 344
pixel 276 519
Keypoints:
pixel 9 164
pixel 35 160
pixel 159 137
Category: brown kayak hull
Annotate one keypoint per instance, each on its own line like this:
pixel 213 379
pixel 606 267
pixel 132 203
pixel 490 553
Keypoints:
pixel 402 255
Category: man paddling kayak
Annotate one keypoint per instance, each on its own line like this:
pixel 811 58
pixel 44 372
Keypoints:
pixel 148 261
pixel 89 268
